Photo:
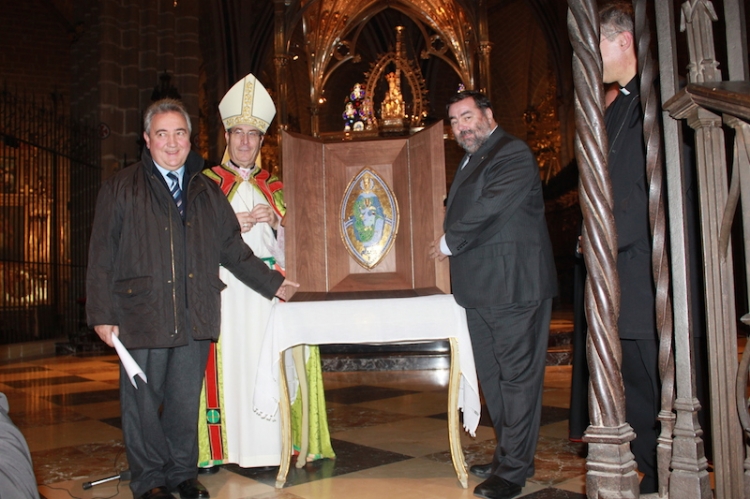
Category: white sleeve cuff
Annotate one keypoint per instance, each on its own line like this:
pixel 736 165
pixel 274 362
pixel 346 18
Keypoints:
pixel 444 249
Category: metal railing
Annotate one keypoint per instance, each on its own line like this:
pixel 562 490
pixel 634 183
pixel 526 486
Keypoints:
pixel 711 107
pixel 49 177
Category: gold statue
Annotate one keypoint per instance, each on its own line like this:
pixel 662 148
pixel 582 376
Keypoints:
pixel 392 107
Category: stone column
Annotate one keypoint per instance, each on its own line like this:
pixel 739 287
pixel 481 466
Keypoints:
pixel 485 47
pixel 610 464
pixel 689 476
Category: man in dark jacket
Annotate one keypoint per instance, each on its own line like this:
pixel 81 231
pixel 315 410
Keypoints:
pixel 503 274
pixel 160 232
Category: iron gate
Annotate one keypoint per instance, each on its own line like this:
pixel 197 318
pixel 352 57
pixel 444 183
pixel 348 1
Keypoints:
pixel 49 176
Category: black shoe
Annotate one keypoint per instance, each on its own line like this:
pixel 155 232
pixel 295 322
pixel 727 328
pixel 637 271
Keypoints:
pixel 481 470
pixel 497 488
pixel 192 489
pixel 157 493
pixel 209 470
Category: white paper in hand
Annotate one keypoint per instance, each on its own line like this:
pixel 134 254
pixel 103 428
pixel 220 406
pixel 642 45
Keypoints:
pixel 130 365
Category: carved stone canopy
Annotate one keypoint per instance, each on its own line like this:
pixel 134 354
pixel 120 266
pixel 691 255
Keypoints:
pixel 331 30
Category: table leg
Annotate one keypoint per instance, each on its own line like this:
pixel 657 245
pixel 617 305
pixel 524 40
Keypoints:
pixel 454 430
pixel 298 354
pixel 285 420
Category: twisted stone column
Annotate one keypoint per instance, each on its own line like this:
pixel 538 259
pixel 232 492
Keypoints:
pixel 610 464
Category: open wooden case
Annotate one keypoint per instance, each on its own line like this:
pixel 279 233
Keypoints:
pixel 326 186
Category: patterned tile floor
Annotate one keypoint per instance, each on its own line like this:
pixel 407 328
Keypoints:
pixel 388 430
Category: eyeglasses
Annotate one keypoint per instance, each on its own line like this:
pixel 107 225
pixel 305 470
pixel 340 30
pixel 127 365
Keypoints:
pixel 250 134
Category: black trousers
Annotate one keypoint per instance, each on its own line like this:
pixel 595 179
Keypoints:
pixel 640 375
pixel 510 349
pixel 160 418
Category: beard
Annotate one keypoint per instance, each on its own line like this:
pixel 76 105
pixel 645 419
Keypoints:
pixel 472 140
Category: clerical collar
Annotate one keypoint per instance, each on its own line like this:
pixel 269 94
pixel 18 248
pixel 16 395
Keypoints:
pixel 631 87
pixel 242 172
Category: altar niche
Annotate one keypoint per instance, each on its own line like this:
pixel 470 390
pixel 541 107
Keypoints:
pixel 317 177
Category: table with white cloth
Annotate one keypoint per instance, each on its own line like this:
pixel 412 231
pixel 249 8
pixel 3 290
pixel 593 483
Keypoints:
pixel 371 321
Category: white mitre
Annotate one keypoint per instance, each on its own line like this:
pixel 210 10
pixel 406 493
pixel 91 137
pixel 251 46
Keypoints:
pixel 247 103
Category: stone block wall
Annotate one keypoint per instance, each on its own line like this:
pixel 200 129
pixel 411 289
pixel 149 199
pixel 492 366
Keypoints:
pixel 34 49
pixel 136 42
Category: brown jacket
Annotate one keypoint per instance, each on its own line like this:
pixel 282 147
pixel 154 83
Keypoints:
pixel 155 276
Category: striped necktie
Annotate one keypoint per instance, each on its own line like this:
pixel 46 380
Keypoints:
pixel 177 193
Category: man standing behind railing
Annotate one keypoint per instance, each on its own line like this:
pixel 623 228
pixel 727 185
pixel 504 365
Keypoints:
pixel 627 170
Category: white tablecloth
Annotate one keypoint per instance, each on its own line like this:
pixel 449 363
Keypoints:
pixel 387 320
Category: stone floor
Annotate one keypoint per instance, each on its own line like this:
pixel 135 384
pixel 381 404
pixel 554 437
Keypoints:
pixel 388 430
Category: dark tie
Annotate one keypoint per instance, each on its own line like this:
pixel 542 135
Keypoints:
pixel 176 193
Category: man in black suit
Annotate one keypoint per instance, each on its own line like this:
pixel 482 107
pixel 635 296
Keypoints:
pixel 503 274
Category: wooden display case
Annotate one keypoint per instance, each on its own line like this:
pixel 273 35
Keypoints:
pixel 316 178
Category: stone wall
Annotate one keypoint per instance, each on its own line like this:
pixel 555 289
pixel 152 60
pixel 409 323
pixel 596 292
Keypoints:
pixel 35 44
pixel 137 42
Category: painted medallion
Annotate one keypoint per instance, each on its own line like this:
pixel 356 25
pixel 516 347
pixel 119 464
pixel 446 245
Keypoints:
pixel 369 218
